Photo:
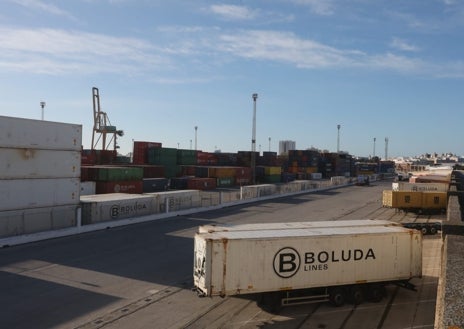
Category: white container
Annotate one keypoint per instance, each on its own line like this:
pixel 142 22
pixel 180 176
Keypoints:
pixel 241 262
pixel 37 193
pixel 28 221
pixel 39 134
pixel 294 225
pixel 420 187
pixel 177 200
pixel 38 163
pixel 114 206
pixel 88 188
pixel 316 175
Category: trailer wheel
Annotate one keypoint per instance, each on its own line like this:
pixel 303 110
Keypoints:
pixel 424 230
pixel 356 295
pixel 337 297
pixel 433 230
pixel 376 293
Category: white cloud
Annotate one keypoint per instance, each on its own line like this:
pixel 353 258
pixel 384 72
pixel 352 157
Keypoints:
pixel 232 12
pixel 320 7
pixel 58 52
pixel 403 45
pixel 42 6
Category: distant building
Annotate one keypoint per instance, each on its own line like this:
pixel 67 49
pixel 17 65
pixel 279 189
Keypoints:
pixel 285 146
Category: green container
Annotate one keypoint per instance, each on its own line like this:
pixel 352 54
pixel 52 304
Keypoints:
pixel 162 156
pixel 271 179
pixel 108 174
pixel 171 171
pixel 186 157
pixel 225 182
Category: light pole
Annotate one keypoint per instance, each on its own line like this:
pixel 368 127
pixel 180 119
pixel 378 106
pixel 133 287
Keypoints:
pixel 196 128
pixel 338 138
pixel 374 147
pixel 269 144
pixel 42 105
pixel 253 141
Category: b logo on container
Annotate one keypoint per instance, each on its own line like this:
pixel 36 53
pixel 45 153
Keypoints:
pixel 286 262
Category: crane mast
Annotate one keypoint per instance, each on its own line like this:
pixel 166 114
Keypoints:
pixel 103 132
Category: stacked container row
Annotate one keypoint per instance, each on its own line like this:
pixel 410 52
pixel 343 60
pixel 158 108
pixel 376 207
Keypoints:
pixel 39 175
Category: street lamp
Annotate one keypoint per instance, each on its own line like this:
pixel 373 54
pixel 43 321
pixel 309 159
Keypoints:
pixel 269 144
pixel 42 105
pixel 253 141
pixel 338 139
pixel 374 147
pixel 196 128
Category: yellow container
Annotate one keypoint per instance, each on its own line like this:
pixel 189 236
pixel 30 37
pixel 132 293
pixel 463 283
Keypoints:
pixel 434 200
pixel 272 171
pixel 408 199
pixel 311 170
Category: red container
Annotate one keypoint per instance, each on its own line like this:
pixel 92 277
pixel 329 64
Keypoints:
pixel 188 170
pixel 243 172
pixel 140 151
pixel 206 158
pixel 132 187
pixel 88 157
pixel 201 184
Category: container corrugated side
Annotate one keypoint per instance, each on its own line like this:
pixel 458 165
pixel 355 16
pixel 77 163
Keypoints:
pixel 420 187
pixel 114 206
pixel 229 263
pixel 209 228
pixel 177 200
pixel 38 163
pixel 36 193
pixel 434 200
pixel 39 134
pixel 33 220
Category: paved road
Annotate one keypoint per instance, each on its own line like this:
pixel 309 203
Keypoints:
pixel 140 276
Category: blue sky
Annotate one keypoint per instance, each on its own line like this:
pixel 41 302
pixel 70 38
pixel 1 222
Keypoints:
pixel 380 69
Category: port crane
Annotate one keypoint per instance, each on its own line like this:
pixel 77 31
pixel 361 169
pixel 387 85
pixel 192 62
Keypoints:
pixel 103 131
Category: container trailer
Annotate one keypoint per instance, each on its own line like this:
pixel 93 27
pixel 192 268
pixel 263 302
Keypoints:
pixel 303 265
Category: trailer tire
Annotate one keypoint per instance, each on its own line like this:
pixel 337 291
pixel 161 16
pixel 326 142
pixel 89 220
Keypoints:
pixel 356 295
pixel 433 230
pixel 424 230
pixel 337 297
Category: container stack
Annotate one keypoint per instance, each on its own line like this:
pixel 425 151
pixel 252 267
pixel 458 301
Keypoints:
pixel 166 157
pixel 114 179
pixel 39 177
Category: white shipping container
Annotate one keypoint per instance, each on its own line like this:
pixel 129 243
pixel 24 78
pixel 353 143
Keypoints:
pixel 28 221
pixel 88 188
pixel 113 206
pixel 38 163
pixel 241 262
pixel 18 194
pixel 39 134
pixel 420 187
pixel 177 200
pixel 294 225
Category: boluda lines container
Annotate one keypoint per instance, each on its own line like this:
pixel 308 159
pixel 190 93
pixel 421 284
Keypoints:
pixel 243 262
pixel 114 206
pixel 420 187
pixel 39 134
pixel 294 225
pixel 26 163
pixel 36 193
